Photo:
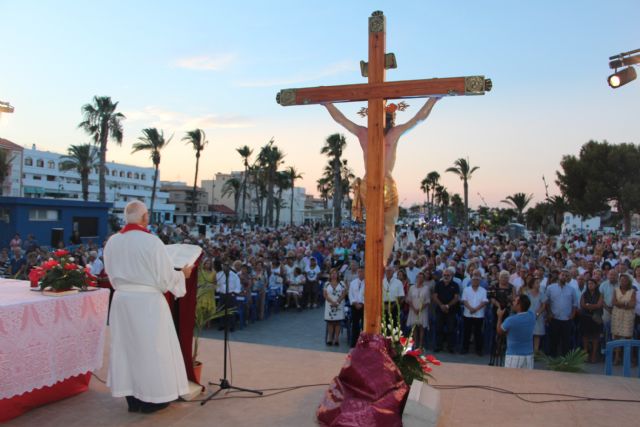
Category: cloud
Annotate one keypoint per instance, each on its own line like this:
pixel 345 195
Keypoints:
pixel 175 121
pixel 331 70
pixel 205 62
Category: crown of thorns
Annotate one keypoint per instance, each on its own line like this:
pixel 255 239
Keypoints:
pixel 391 108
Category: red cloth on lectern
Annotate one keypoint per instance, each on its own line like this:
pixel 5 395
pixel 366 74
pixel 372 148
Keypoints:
pixel 185 319
pixel 369 391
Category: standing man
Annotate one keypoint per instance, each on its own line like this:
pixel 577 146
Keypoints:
pixel 392 293
pixel 228 293
pixel 446 298
pixel 145 362
pixel 519 329
pixel 356 299
pixel 563 306
pixel 474 299
pixel 392 134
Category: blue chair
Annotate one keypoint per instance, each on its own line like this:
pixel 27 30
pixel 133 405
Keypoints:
pixel 627 345
pixel 241 303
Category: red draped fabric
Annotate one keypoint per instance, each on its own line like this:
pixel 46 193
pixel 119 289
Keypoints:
pixel 18 405
pixel 184 317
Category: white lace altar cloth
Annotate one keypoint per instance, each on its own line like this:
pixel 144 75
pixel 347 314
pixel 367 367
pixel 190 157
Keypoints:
pixel 45 339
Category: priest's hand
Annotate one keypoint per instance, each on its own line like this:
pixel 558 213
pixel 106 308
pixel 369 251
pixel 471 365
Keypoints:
pixel 186 270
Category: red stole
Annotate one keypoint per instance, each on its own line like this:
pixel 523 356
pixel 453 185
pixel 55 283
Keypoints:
pixel 131 227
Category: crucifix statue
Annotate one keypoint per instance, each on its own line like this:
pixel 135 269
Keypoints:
pixel 374 144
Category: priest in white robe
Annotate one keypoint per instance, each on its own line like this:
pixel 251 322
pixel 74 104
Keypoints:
pixel 145 361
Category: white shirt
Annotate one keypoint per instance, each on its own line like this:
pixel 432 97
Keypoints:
pixel 356 291
pixel 391 291
pixel 312 273
pixel 474 297
pixel 96 267
pixel 234 282
pixel 412 273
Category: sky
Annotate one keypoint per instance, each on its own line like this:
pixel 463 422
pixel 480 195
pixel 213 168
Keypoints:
pixel 219 65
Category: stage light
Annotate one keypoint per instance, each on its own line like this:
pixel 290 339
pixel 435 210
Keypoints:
pixel 621 78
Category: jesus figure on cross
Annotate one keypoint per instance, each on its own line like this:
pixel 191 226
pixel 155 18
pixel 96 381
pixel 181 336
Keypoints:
pixel 392 134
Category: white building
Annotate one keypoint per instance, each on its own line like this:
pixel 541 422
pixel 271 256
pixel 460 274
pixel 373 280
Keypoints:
pixel 215 189
pixel 575 223
pixel 12 184
pixel 42 177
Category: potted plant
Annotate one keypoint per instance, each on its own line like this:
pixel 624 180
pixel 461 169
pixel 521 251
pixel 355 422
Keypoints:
pixel 206 311
pixel 60 275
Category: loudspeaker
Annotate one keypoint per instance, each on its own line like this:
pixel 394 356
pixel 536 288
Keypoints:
pixel 57 235
pixel 202 229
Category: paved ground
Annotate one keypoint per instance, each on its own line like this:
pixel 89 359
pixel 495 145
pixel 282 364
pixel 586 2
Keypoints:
pixel 306 329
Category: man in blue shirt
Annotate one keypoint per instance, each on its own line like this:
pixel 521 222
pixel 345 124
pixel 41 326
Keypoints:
pixel 563 307
pixel 519 329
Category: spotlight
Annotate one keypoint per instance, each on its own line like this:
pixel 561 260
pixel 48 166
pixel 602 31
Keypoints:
pixel 621 78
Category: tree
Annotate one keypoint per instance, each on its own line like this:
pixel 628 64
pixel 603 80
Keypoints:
pixel 292 174
pixel 458 208
pixel 283 182
pixel 232 187
pixel 153 141
pixel 519 201
pixel 102 122
pixel 602 175
pixel 442 198
pixel 333 148
pixel 197 139
pixel 5 166
pixel 323 186
pixel 428 185
pixel 245 152
pixel 82 159
pixel 270 158
pixel 463 169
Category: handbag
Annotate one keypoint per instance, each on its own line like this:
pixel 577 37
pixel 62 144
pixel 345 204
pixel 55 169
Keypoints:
pixel 597 317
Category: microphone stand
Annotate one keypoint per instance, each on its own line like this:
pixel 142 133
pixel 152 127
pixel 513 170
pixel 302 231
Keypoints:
pixel 224 383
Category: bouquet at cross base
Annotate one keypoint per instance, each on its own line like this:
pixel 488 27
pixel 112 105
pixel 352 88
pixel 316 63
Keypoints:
pixel 414 364
pixel 60 273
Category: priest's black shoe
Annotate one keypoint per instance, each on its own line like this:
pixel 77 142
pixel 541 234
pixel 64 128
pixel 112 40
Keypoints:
pixel 149 408
pixel 134 404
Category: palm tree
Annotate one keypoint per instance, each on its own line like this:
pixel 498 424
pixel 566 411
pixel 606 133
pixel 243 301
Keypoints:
pixel 153 141
pixel 5 166
pixel 441 196
pixel 458 208
pixel 322 185
pixel 519 201
pixel 232 187
pixel 464 171
pixel 245 152
pixel 283 182
pixel 334 145
pixel 82 159
pixel 270 158
pixel 559 206
pixel 292 174
pixel 428 185
pixel 198 140
pixel 102 122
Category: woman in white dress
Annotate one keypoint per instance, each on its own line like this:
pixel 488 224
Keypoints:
pixel 418 299
pixel 334 294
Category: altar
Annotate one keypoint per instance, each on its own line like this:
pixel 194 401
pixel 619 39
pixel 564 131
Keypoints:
pixel 48 345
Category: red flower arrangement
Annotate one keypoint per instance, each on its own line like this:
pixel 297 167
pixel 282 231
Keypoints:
pixel 60 273
pixel 413 364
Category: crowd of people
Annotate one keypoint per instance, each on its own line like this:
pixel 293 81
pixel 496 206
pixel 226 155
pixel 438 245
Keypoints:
pixel 448 288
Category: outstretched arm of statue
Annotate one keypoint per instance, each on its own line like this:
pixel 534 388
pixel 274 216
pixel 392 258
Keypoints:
pixel 341 119
pixel 421 115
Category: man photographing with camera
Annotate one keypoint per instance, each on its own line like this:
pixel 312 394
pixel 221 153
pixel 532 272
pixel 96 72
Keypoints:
pixel 519 330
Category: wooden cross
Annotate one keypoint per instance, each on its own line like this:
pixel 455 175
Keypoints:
pixel 376 92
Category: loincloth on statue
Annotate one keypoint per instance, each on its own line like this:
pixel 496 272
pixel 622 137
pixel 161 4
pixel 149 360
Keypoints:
pixel 390 192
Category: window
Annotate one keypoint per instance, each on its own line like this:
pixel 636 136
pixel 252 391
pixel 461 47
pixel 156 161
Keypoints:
pixel 51 178
pixel 121 174
pixel 37 177
pixel 136 175
pixel 129 175
pixel 43 215
pixel 40 163
pixel 51 164
pixel 114 173
pixel 143 177
pixel 28 161
pixel 4 215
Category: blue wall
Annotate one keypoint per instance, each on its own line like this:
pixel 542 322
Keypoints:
pixel 19 207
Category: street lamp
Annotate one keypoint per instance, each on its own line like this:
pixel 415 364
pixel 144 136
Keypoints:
pixel 626 75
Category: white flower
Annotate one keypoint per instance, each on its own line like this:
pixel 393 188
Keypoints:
pixel 72 259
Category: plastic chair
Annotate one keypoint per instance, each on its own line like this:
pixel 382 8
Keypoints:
pixel 627 345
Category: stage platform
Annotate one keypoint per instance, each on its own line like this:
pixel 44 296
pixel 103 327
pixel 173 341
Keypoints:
pixel 265 367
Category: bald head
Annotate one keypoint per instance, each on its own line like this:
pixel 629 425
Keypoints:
pixel 134 212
